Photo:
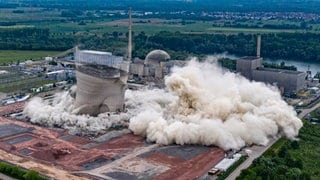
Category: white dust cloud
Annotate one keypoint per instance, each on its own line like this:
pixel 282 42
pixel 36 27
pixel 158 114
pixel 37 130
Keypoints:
pixel 201 104
pixel 60 113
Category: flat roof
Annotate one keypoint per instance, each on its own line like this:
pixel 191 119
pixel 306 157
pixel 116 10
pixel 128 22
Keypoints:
pixel 225 164
pixel 96 52
pixel 250 58
pixel 279 70
pixel 55 72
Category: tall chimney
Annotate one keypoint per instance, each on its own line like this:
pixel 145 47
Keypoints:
pixel 130 37
pixel 259 45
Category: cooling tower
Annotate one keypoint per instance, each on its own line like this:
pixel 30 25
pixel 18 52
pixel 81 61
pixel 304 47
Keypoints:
pixel 101 82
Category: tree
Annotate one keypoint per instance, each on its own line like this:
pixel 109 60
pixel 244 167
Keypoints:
pixel 293 173
pixel 298 163
pixel 305 176
pixel 115 34
pixel 283 151
pixel 295 144
pixel 31 175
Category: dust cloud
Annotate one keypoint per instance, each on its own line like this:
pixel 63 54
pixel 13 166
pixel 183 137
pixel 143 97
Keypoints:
pixel 201 104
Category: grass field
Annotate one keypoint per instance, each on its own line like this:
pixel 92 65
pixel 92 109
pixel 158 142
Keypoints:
pixel 105 27
pixel 198 26
pixel 9 56
pixel 17 26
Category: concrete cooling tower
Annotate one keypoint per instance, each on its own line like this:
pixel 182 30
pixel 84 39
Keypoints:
pixel 101 82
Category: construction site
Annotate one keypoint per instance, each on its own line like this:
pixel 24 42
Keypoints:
pixel 115 155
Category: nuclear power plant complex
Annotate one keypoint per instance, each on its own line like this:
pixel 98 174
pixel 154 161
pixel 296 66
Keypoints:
pixel 102 77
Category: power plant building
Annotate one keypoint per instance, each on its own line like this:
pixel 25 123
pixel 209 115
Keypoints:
pixel 246 65
pixel 156 65
pixel 287 81
pixel 101 82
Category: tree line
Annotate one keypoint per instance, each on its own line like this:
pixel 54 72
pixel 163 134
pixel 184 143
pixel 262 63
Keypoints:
pixel 33 39
pixel 298 46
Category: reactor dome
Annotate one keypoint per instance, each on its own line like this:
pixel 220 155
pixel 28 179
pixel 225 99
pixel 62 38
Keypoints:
pixel 156 56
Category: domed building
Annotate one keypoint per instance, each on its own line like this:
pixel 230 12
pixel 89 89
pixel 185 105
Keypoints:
pixel 154 63
pixel 154 67
pixel 155 57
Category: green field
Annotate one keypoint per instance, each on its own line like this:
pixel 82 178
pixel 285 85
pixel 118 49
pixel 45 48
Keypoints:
pixel 9 56
pixel 198 26
pixel 99 27
pixel 17 26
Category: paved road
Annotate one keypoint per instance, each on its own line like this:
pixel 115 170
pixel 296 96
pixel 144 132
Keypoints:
pixel 304 112
pixel 257 151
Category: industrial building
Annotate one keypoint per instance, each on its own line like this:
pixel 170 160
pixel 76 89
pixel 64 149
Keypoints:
pixel 289 82
pixel 156 65
pixel 152 66
pixel 60 75
pixel 101 82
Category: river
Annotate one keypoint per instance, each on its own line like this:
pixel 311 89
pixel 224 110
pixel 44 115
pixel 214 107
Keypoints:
pixel 301 66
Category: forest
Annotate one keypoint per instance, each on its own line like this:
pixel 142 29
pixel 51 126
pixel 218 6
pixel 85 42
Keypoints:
pixel 304 47
pixel 33 39
pixel 297 46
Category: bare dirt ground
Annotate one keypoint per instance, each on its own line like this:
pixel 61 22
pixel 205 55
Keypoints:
pixel 45 169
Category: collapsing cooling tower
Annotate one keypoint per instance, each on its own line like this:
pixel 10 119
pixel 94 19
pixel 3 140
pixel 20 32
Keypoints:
pixel 101 82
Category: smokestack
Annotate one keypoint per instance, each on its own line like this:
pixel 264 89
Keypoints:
pixel 258 45
pixel 130 37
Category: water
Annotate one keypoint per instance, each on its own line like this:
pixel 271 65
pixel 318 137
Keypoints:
pixel 301 66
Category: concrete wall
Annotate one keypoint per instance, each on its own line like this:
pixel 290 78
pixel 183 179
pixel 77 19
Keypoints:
pixel 290 82
pixel 97 95
pixel 286 80
pixel 158 72
pixel 137 69
pixel 245 66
